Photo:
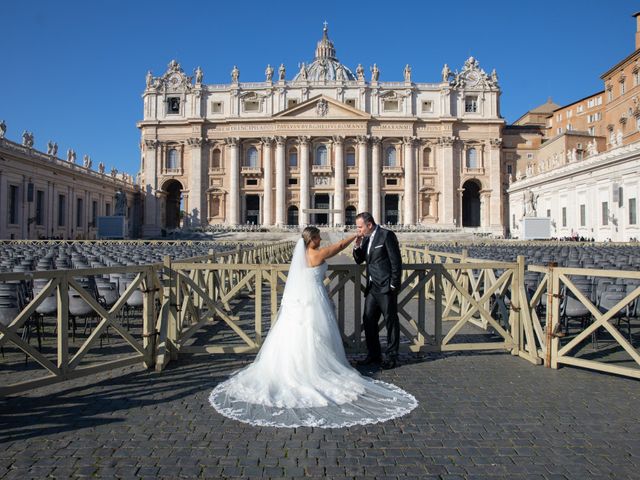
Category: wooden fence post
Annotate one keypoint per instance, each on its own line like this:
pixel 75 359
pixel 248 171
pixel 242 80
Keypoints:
pixel 63 324
pixel 553 312
pixel 149 319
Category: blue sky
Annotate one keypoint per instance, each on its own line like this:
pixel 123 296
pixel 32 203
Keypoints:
pixel 73 71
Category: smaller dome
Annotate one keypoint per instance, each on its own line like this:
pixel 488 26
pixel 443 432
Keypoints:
pixel 325 66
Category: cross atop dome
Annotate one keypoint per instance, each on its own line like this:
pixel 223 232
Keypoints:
pixel 325 48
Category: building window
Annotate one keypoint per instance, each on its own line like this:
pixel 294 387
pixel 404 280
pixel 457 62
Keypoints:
pixel 252 158
pixel 351 102
pixel 172 159
pixel 583 215
pixel 390 157
pixel 622 88
pixel 427 161
pixel 548 213
pixel 292 102
pixel 580 109
pixel 609 95
pixel 293 181
pixel 62 207
pixel 390 105
pixel 592 131
pixel 351 157
pixel 14 200
pixel 94 213
pixel 39 207
pixel 321 155
pixel 564 216
pixel 392 181
pixel 513 220
pixel 632 211
pixel 173 105
pixel 79 212
pixel 427 106
pixel 472 158
pixel 530 156
pixel 471 104
pixel 569 127
pixel 216 107
pixel 215 159
pixel 252 182
pixel 293 158
pixel 251 105
pixel 636 78
pixel 509 168
pixel 605 213
pixel 351 181
pixel 559 131
pixel 569 113
pixel 590 103
pixel 107 209
pixel 637 123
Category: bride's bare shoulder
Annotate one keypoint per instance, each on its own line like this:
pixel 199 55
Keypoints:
pixel 314 257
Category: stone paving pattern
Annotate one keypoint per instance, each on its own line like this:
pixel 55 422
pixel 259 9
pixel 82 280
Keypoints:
pixel 484 415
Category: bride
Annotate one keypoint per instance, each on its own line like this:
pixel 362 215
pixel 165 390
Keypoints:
pixel 301 376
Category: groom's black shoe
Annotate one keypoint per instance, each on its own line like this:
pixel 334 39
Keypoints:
pixel 369 361
pixel 390 363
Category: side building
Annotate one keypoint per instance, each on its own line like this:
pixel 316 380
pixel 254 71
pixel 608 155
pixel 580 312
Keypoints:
pixel 322 146
pixel 584 175
pixel 44 196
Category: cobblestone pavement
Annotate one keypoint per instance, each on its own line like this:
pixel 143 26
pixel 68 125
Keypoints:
pixel 480 416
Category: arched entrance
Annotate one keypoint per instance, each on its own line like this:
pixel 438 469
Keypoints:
pixel 391 213
pixel 471 204
pixel 350 216
pixel 292 215
pixel 173 203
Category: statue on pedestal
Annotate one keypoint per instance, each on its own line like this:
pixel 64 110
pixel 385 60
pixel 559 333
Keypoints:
pixel 407 73
pixel 86 161
pixel 375 73
pixel 3 129
pixel 71 156
pixel 269 73
pixel 121 204
pixel 446 73
pixel 101 168
pixel 360 72
pixel 235 74
pixel 199 76
pixel 281 72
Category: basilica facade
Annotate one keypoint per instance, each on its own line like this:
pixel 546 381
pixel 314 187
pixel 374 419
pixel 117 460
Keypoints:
pixel 321 145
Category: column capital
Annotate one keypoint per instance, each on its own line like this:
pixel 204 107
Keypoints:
pixel 151 144
pixel 304 139
pixel 495 142
pixel 280 140
pixel 195 141
pixel 338 139
pixel 232 141
pixel 409 141
pixel 446 141
pixel 362 139
pixel 266 141
pixel 376 141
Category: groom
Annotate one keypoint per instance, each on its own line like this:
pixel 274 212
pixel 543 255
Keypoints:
pixel 379 248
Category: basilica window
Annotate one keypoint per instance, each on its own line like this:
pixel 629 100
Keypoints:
pixel 351 181
pixel 173 105
pixel 172 159
pixel 293 181
pixel 292 102
pixel 427 106
pixel 216 107
pixel 583 215
pixel 471 104
pixel 632 211
pixel 390 105
pixel 62 210
pixel 351 102
pixel 472 158
pixel 351 157
pixel 321 155
pixel 390 157
pixel 293 158
pixel 14 200
pixel 605 213
pixel 252 157
pixel 215 159
pixel 427 161
pixel 564 216
pixel 251 105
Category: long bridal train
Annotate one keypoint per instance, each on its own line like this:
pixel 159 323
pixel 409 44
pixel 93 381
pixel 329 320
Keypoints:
pixel 301 376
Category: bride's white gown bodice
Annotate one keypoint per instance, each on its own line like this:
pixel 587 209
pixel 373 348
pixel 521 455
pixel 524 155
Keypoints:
pixel 301 376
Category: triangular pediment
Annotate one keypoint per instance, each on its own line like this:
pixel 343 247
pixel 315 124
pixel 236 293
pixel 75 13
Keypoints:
pixel 322 107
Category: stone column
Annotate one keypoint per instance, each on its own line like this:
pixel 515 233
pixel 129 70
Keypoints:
pixel 281 173
pixel 376 178
pixel 196 212
pixel 338 181
pixel 151 226
pixel 495 184
pixel 233 215
pixel 363 177
pixel 446 174
pixel 409 182
pixel 303 217
pixel 267 201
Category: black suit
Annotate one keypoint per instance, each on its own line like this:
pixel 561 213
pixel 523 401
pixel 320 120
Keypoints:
pixel 384 270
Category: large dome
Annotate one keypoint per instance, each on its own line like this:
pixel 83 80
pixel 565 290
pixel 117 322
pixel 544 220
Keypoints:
pixel 325 66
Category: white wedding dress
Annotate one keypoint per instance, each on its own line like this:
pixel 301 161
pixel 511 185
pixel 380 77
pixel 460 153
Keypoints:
pixel 301 376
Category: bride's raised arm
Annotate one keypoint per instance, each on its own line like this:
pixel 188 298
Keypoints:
pixel 321 254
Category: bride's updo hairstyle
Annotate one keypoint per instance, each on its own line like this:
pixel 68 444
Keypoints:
pixel 308 234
